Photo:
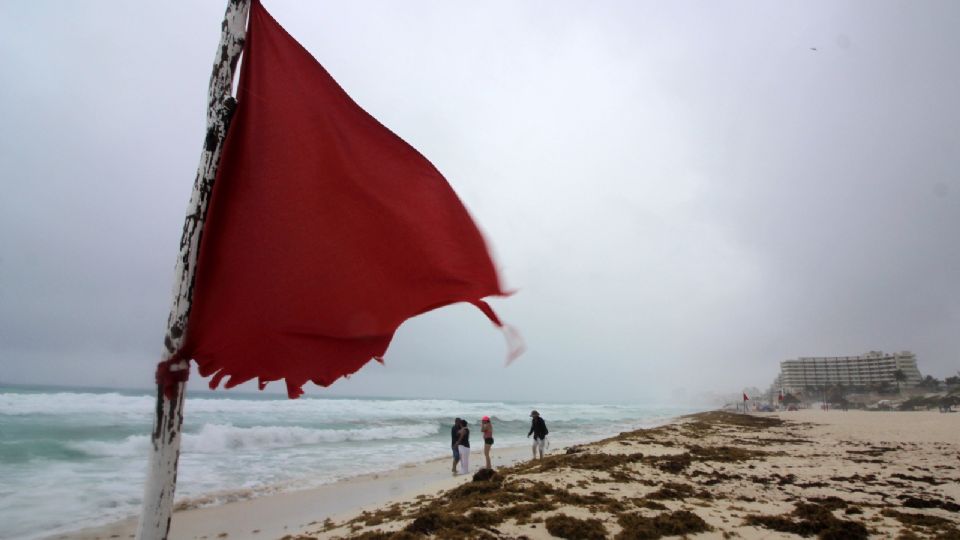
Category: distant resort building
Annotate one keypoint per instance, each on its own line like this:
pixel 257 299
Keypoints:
pixel 867 370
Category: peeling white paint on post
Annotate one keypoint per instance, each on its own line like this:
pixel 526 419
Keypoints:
pixel 165 439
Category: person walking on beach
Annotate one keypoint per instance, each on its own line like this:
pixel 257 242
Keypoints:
pixel 463 445
pixel 454 437
pixel 538 428
pixel 487 429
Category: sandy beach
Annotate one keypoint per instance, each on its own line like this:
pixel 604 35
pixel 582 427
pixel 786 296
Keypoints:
pixel 275 516
pixel 830 474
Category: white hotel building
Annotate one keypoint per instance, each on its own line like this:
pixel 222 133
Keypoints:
pixel 870 369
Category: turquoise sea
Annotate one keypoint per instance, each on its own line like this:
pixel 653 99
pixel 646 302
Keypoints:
pixel 74 457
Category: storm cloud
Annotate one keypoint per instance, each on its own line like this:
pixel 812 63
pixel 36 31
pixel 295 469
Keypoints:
pixel 683 194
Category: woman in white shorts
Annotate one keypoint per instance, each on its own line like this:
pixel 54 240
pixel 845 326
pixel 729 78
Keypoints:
pixel 463 445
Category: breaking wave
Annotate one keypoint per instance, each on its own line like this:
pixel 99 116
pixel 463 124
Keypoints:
pixel 220 438
pixel 139 408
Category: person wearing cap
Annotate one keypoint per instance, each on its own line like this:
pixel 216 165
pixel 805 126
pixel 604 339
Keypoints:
pixel 454 437
pixel 487 429
pixel 538 428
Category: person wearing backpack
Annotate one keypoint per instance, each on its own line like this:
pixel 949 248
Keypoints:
pixel 538 428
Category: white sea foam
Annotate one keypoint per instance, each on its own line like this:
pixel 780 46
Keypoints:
pixel 78 457
pixel 134 445
pixel 60 403
pixel 318 409
pixel 220 438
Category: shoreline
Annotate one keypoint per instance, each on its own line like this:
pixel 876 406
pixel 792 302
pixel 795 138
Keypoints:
pixel 290 511
pixel 79 459
pixel 276 514
pixel 714 474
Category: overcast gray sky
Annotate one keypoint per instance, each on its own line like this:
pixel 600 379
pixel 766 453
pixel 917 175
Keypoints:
pixel 683 193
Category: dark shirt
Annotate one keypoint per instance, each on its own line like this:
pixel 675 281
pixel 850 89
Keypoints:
pixel 538 428
pixel 454 435
pixel 465 441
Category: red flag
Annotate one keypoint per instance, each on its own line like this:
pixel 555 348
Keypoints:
pixel 325 231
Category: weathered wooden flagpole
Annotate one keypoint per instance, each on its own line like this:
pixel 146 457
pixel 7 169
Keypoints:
pixel 165 440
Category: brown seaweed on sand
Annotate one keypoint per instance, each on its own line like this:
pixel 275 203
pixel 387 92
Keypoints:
pixel 589 461
pixel 942 526
pixel 677 492
pixel 809 519
pixel 677 463
pixel 563 526
pixel 921 502
pixel 639 527
pixel 714 418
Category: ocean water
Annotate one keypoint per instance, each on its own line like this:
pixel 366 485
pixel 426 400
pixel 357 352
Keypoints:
pixel 72 458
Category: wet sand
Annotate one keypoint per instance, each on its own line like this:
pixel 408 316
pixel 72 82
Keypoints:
pixel 274 516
